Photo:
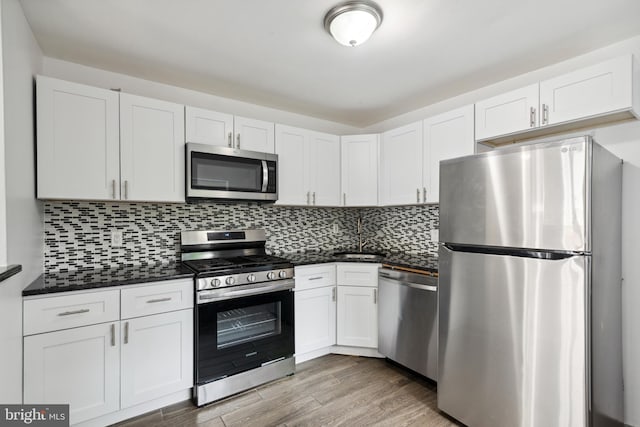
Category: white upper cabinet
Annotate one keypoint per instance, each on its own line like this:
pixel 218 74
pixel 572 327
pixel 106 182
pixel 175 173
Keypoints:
pixel 446 136
pixel 401 165
pixel 599 89
pixel 507 113
pixel 253 135
pixel 603 93
pixel 151 149
pixel 78 141
pixel 308 167
pixel 359 170
pixel 208 127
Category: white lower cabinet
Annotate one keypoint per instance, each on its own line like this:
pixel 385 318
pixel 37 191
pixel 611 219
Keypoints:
pixel 315 319
pixel 156 355
pixel 357 316
pixel 79 367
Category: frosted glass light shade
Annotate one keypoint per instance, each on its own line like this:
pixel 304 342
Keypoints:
pixel 352 23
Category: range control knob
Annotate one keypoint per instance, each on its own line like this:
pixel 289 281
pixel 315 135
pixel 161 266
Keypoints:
pixel 230 280
pixel 215 283
pixel 251 278
pixel 271 275
pixel 282 274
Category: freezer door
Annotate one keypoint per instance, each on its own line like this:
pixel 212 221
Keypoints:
pixel 512 340
pixel 533 196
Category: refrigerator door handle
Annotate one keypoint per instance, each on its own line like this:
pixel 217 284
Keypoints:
pixel 525 253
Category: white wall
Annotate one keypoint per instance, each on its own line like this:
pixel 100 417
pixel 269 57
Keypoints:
pixel 21 60
pixel 95 77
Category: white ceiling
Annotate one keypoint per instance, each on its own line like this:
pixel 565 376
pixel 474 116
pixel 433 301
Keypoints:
pixel 276 52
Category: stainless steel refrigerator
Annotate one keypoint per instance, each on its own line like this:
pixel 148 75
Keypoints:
pixel 530 286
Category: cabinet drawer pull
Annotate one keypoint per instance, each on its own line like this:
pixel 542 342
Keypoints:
pixel 69 313
pixel 113 335
pixel 315 278
pixel 151 301
pixel 126 332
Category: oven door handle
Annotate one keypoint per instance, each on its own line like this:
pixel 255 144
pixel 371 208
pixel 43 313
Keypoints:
pixel 224 294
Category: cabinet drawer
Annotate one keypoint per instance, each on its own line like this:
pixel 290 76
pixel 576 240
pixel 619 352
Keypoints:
pixel 354 274
pixel 157 297
pixel 70 311
pixel 315 276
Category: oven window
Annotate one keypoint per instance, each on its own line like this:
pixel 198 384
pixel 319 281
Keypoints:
pixel 241 325
pixel 216 172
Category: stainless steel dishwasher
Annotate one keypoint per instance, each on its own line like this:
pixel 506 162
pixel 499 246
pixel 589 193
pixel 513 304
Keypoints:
pixel 408 320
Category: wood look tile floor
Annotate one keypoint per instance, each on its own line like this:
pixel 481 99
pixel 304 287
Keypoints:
pixel 332 390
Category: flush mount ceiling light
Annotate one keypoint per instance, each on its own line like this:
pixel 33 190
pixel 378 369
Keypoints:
pixel 352 23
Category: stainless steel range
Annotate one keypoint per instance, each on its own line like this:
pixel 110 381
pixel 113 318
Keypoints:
pixel 244 331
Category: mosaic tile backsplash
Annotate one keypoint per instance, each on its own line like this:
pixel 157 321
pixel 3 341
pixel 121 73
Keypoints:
pixel 78 234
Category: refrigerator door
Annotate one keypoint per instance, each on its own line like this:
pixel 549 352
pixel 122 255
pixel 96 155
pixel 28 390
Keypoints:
pixel 512 339
pixel 531 196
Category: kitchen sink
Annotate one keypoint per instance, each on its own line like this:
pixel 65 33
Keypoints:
pixel 363 256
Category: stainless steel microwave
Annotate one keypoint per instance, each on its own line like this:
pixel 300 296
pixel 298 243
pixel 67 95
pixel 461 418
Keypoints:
pixel 215 172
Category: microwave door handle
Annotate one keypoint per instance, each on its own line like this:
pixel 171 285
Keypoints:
pixel 265 176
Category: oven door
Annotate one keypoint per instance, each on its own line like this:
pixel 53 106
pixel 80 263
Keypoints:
pixel 243 328
pixel 227 173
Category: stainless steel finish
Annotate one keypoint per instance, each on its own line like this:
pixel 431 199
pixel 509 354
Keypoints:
pixel 153 301
pixel 230 139
pixel 200 237
pixel 113 334
pixel 126 189
pixel 231 152
pixel 69 313
pixel 113 188
pixel 219 389
pixel 314 198
pixel 512 336
pixel 407 320
pixel 238 141
pixel 347 6
pixel 361 243
pixel 126 332
pixel 315 278
pixel 518 197
pixel 375 296
pixel 240 279
pixel 424 194
pixel 265 175
pixel 417 195
pixel 308 197
pixel 333 294
pixel 545 114
pixel 532 117
pixel 204 297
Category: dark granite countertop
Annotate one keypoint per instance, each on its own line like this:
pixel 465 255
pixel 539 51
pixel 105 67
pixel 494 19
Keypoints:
pixel 101 278
pixel 423 262
pixel 9 270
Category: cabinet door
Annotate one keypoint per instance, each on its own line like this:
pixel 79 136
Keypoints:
pixel 315 319
pixel 324 169
pixel 78 141
pixel 509 112
pixel 292 145
pixel 401 165
pixel 79 366
pixel 591 91
pixel 151 149
pixel 446 136
pixel 359 170
pixel 157 356
pixel 208 127
pixel 357 316
pixel 254 135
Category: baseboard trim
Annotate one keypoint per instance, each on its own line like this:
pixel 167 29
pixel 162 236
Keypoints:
pixel 338 349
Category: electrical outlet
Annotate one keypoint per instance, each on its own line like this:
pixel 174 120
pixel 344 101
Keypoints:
pixel 335 228
pixel 116 238
pixel 435 235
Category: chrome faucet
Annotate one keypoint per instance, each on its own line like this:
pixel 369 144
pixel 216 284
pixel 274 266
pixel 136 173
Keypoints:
pixel 361 244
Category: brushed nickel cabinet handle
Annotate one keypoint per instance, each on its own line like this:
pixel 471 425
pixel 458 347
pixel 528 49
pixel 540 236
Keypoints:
pixel 69 313
pixel 314 198
pixel 126 332
pixel 375 296
pixel 308 195
pixel 417 195
pixel 424 194
pixel 126 189
pixel 315 278
pixel 113 188
pixel 545 114
pixel 532 117
pixel 230 139
pixel 113 335
pixel 333 294
pixel 238 141
pixel 152 301
pixel 344 199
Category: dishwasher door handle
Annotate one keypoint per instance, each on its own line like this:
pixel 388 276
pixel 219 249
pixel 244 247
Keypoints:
pixel 429 288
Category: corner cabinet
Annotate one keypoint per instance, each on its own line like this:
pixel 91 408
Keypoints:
pixel 359 170
pixel 602 93
pixel 97 144
pixel 308 167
